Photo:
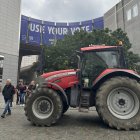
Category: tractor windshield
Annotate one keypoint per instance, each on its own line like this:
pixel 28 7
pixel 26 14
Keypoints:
pixel 94 63
pixel 110 59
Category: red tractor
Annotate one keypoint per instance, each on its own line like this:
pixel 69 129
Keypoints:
pixel 101 80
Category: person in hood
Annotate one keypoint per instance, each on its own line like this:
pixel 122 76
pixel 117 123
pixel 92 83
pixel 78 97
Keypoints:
pixel 8 92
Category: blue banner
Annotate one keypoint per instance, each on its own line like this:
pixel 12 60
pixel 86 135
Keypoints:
pixel 73 27
pixel 49 33
pixel 98 23
pixel 87 25
pixel 61 30
pixel 35 31
pixel 39 32
pixel 24 29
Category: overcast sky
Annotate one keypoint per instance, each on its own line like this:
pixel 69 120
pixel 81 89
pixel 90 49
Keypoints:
pixel 66 10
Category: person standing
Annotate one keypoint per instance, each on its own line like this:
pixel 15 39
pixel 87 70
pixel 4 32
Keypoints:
pixel 18 92
pixel 32 86
pixel 11 103
pixel 7 92
pixel 22 91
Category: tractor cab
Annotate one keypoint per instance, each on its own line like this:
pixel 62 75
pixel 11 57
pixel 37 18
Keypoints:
pixel 94 60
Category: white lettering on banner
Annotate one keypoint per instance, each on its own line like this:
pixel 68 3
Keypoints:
pixel 51 41
pixel 61 31
pixel 85 28
pixel 43 29
pixel 31 38
pixel 51 30
pixel 23 37
pixel 37 28
pixel 65 31
pixel 72 30
pixel 57 31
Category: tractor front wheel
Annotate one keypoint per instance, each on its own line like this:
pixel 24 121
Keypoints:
pixel 44 107
pixel 118 103
pixel 65 108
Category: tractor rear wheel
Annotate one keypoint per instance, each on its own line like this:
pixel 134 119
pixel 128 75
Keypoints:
pixel 118 103
pixel 44 107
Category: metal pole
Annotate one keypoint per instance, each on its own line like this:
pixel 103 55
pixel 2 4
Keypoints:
pixel 116 24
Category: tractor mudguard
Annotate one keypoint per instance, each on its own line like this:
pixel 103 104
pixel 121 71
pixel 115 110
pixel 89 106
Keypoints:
pixel 109 73
pixel 56 87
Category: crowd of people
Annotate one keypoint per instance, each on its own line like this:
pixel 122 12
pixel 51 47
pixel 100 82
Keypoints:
pixel 20 90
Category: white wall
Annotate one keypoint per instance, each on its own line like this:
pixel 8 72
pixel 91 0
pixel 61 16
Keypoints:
pixel 28 60
pixel 9 26
pixel 9 37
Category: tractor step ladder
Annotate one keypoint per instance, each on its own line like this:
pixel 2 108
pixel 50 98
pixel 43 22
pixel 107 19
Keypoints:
pixel 84 101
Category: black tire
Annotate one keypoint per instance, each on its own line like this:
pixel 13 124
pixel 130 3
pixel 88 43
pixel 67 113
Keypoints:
pixel 65 108
pixel 56 107
pixel 26 96
pixel 103 104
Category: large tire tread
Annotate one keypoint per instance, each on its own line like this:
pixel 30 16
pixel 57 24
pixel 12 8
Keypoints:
pixel 101 107
pixel 58 107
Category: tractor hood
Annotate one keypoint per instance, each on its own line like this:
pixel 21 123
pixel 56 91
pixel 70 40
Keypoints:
pixel 58 74
pixel 63 78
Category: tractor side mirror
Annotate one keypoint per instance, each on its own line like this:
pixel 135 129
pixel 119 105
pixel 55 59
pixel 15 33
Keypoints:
pixel 79 55
pixel 79 61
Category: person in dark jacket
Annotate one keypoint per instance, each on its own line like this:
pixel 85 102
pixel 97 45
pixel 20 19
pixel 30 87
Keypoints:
pixel 22 91
pixel 8 92
pixel 18 92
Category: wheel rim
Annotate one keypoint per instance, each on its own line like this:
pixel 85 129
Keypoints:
pixel 123 103
pixel 42 107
